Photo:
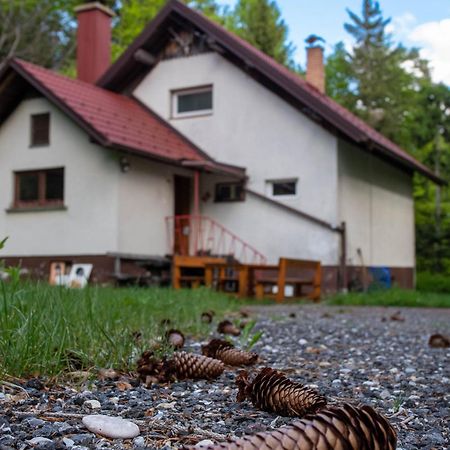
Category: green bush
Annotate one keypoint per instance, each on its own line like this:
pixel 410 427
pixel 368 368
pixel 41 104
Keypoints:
pixel 431 282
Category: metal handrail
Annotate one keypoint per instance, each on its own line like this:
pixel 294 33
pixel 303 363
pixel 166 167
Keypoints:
pixel 194 235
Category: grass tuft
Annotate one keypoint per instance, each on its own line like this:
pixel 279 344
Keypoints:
pixel 47 330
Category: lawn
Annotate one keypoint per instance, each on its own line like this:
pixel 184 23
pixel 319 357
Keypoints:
pixel 48 330
pixel 392 297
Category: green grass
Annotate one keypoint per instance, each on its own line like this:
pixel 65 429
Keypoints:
pixel 433 282
pixel 44 330
pixel 392 297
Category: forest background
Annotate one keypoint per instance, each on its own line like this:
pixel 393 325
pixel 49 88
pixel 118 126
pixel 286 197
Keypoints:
pixel 380 80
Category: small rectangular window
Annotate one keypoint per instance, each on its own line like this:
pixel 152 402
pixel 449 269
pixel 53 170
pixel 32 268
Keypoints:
pixel 39 188
pixel 192 102
pixel 283 188
pixel 229 192
pixel 40 130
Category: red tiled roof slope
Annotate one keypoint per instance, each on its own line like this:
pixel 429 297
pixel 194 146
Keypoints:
pixel 117 120
pixel 289 83
pixel 367 133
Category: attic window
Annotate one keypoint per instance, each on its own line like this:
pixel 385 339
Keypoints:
pixel 192 102
pixel 40 130
pixel 282 188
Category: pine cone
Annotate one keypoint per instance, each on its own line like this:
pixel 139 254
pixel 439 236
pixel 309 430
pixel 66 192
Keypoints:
pixel 271 391
pixel 342 427
pixel 188 365
pixel 175 338
pixel 439 341
pixel 150 368
pixel 207 316
pixel 182 365
pixel 226 352
pixel 226 327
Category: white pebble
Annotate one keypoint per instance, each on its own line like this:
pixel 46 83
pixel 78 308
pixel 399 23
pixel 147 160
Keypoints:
pixel 93 404
pixel 111 427
pixel 39 441
pixel 68 442
pixel 204 443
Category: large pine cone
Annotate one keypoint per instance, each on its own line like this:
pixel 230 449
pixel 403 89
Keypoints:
pixel 182 365
pixel 342 427
pixel 271 391
pixel 225 351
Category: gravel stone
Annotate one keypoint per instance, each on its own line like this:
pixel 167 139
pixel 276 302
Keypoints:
pixel 347 353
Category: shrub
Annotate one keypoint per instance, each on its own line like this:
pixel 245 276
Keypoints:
pixel 433 282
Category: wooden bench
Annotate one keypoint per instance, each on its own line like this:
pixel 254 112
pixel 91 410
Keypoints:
pixel 271 281
pixel 228 277
pixel 189 271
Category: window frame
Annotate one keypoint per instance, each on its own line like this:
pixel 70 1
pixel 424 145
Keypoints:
pixel 241 198
pixel 176 93
pixel 42 201
pixel 33 117
pixel 270 187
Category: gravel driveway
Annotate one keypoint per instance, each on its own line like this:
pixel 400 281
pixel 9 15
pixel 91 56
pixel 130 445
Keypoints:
pixel 349 354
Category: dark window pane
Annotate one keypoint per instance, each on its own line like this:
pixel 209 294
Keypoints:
pixel 284 188
pixel 197 101
pixel 28 187
pixel 229 192
pixel 40 129
pixel 54 187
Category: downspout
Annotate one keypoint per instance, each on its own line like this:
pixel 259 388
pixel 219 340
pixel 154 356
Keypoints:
pixel 197 219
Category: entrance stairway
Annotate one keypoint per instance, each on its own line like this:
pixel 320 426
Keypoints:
pixel 196 235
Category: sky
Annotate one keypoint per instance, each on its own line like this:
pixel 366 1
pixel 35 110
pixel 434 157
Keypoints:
pixel 415 23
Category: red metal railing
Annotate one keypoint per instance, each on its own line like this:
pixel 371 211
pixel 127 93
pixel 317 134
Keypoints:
pixel 192 235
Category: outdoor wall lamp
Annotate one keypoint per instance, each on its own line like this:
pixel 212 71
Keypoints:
pixel 124 164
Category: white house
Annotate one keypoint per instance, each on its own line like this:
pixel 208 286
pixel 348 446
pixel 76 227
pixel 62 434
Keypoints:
pixel 195 141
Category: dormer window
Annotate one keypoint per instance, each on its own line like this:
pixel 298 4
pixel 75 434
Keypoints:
pixel 40 130
pixel 192 102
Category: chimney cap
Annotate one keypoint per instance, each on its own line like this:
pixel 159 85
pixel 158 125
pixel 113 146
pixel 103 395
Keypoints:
pixel 312 39
pixel 94 5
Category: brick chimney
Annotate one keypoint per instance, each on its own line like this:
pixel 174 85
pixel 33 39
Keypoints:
pixel 93 40
pixel 315 70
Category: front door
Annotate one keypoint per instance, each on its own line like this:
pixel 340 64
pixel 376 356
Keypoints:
pixel 182 186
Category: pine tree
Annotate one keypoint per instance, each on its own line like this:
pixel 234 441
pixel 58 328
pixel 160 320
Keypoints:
pixel 260 23
pixel 379 88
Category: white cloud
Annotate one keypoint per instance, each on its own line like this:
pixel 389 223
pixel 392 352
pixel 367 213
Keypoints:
pixel 402 25
pixel 434 40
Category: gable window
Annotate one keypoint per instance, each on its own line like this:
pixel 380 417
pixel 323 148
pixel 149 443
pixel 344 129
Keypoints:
pixel 283 188
pixel 38 188
pixel 229 192
pixel 40 130
pixel 192 102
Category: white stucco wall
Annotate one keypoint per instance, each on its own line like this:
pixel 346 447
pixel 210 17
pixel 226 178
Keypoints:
pixel 89 225
pixel 146 198
pixel 252 127
pixel 376 202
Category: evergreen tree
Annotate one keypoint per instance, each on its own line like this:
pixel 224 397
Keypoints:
pixel 380 88
pixel 260 23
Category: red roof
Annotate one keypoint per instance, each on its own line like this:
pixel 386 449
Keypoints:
pixel 268 71
pixel 112 119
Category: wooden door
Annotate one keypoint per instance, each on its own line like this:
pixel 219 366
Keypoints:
pixel 182 186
